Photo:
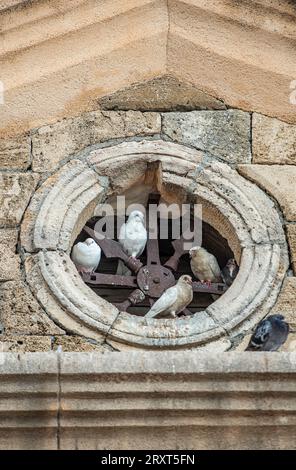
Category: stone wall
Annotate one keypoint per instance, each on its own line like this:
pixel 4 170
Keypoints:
pixel 261 148
pixel 62 58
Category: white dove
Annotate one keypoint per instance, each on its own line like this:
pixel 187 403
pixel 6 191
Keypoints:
pixel 86 256
pixel 174 299
pixel 132 238
pixel 204 265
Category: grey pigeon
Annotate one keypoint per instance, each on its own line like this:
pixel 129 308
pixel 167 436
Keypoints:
pixel 86 256
pixel 229 272
pixel 174 299
pixel 270 334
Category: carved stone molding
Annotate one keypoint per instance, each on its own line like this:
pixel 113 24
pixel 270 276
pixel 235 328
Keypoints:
pixel 151 400
pixel 239 210
pixel 82 51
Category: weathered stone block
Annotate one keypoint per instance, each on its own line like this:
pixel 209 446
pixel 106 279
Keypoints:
pixel 52 144
pixel 277 180
pixel 19 343
pixel 164 93
pixel 15 152
pixel 286 301
pixel 78 344
pixel 223 134
pixel 8 238
pixel 291 232
pixel 15 192
pixel 274 141
pixel 9 260
pixel 9 264
pixel 20 313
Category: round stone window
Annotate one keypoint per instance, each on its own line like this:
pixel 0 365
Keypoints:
pixel 234 208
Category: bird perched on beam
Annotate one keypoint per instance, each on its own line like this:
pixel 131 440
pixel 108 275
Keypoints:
pixel 229 272
pixel 174 300
pixel 270 334
pixel 132 238
pixel 204 265
pixel 86 256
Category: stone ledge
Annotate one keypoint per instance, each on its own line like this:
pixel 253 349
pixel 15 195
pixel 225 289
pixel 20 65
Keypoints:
pixel 177 395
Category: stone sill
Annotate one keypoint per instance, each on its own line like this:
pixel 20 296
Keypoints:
pixel 148 400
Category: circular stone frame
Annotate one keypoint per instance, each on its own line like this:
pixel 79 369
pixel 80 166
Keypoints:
pixel 237 208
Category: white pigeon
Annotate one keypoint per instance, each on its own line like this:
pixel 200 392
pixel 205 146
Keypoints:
pixel 174 299
pixel 86 256
pixel 204 265
pixel 132 238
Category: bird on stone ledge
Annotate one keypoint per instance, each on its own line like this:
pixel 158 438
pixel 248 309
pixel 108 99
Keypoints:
pixel 132 238
pixel 270 334
pixel 174 299
pixel 86 256
pixel 204 265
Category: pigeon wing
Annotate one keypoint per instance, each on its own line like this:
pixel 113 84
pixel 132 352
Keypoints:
pixel 167 299
pixel 122 234
pixel 261 335
pixel 215 268
pixel 278 335
pixel 125 238
pixel 88 257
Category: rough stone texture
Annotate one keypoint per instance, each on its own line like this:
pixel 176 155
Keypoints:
pixel 52 144
pixel 273 141
pixel 15 153
pixel 20 343
pixel 9 260
pixel 61 207
pixel 8 238
pixel 77 344
pixel 15 192
pixel 287 301
pixel 9 264
pixel 20 313
pixel 277 180
pixel 223 134
pixel 164 93
pixel 290 344
pixel 291 232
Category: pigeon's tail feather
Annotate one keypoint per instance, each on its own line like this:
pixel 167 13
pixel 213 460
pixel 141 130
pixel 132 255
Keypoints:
pixel 122 270
pixel 150 314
